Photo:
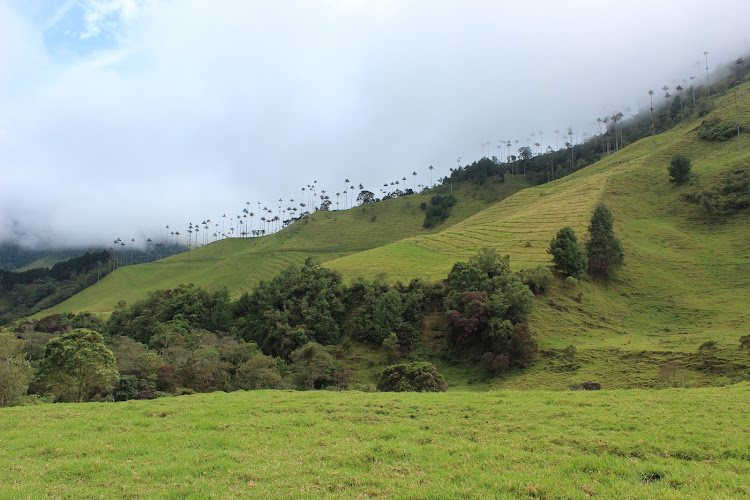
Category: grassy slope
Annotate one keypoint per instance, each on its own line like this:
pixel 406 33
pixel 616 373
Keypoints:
pixel 686 280
pixel 241 263
pixel 270 444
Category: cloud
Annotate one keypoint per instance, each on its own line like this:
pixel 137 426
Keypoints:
pixel 198 107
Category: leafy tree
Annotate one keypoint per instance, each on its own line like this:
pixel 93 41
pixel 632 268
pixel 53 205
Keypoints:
pixel 603 249
pixel 260 372
pixel 15 372
pixel 366 197
pixel 388 315
pixel 567 254
pixel 679 168
pixel 414 377
pixel 313 366
pixel 77 366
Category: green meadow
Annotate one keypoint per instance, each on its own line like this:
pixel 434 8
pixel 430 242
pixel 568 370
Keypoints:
pixel 671 443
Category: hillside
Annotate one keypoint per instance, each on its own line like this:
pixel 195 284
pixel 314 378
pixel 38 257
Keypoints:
pixel 240 263
pixel 686 280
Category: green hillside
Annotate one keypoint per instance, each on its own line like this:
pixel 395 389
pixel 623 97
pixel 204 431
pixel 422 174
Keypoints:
pixel 240 263
pixel 686 280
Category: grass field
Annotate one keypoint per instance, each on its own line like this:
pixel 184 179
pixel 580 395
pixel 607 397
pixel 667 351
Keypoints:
pixel 268 444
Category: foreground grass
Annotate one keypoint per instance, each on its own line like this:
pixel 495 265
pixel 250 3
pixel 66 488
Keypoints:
pixel 508 444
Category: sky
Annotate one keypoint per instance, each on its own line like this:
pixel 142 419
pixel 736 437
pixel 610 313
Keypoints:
pixel 120 117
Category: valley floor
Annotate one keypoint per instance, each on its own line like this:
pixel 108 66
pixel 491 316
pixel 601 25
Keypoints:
pixel 671 443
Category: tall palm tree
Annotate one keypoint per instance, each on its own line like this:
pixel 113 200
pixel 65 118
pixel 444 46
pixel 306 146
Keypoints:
pixel 132 241
pixel 616 117
pixel 431 168
pixel 557 143
pixel 708 85
pixel 740 63
pixel 541 141
pixel 414 174
pixel 692 87
pixel 653 132
pixel 148 250
pixel 679 89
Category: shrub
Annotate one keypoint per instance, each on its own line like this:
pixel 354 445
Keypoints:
pixel 416 376
pixel 571 282
pixel 538 280
pixel 438 210
pixel 566 253
pixel 679 168
pixel 715 130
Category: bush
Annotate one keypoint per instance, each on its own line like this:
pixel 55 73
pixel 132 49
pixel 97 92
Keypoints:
pixel 538 280
pixel 566 253
pixel 571 282
pixel 416 376
pixel 438 210
pixel 715 130
pixel 679 168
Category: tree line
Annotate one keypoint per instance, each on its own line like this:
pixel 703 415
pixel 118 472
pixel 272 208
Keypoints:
pixel 291 331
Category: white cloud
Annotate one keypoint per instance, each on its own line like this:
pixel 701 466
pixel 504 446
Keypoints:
pixel 202 106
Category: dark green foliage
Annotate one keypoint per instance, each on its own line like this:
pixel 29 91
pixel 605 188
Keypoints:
pixel 300 305
pixel 603 249
pixel 487 308
pixel 28 292
pixel 730 197
pixel 195 307
pixel 438 210
pixel 538 279
pixel 715 130
pixel 745 342
pixel 567 254
pixel 478 172
pixel 679 168
pixel 411 377
pixel 77 366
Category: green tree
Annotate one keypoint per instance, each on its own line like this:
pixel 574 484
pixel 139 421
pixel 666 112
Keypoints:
pixel 567 254
pixel 388 315
pixel 313 366
pixel 679 168
pixel 603 249
pixel 77 366
pixel 414 376
pixel 15 372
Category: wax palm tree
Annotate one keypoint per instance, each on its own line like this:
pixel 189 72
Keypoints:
pixel 653 131
pixel 616 117
pixel 431 168
pixel 148 250
pixel 740 63
pixel 708 85
pixel 414 174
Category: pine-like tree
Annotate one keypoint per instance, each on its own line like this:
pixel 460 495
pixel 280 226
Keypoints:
pixel 567 254
pixel 603 249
